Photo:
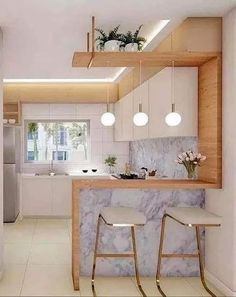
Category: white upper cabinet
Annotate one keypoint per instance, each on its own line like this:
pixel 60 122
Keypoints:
pixel 140 95
pixel 155 96
pixel 185 98
pixel 124 118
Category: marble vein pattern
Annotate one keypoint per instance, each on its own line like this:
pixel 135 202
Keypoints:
pixel 160 154
pixel 153 204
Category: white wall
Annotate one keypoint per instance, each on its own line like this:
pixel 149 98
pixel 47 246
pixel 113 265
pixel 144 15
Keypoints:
pixel 102 142
pixel 221 242
pixel 1 156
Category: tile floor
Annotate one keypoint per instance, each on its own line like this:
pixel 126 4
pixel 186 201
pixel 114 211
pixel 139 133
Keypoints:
pixel 37 261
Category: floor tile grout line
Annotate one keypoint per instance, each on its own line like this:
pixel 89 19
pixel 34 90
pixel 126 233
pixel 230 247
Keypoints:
pixel 196 289
pixel 27 263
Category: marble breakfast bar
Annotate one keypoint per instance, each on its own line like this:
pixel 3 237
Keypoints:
pixel 152 197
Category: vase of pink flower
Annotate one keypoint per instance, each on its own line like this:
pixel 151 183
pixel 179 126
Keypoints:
pixel 190 160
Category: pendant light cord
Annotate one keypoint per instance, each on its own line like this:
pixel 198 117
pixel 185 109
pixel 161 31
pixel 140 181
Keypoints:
pixel 140 82
pixel 108 90
pixel 172 78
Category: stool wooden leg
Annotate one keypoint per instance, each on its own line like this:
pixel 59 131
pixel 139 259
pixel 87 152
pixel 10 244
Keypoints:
pixel 201 262
pixel 158 275
pixel 136 262
pixel 95 255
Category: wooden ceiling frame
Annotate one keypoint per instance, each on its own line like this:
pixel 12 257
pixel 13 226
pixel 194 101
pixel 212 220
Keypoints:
pixel 132 59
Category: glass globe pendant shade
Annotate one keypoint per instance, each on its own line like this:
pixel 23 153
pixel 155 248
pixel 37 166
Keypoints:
pixel 173 118
pixel 108 119
pixel 140 118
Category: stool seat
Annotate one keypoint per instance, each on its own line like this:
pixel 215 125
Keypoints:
pixel 193 216
pixel 123 216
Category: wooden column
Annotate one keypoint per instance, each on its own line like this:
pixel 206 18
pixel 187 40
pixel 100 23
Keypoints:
pixel 75 236
pixel 210 120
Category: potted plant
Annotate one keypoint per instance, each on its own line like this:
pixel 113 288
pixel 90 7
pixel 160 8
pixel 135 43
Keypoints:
pixel 110 42
pixel 190 160
pixel 132 42
pixel 110 161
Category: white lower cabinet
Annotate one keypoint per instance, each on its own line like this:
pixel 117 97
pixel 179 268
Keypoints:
pixel 61 197
pixel 45 196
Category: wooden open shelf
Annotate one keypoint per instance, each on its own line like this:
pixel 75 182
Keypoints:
pixel 132 59
pixel 12 110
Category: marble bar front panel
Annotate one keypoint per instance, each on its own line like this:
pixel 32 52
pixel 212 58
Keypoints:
pixel 152 203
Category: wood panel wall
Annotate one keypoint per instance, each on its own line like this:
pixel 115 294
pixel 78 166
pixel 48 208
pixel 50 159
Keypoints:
pixel 210 120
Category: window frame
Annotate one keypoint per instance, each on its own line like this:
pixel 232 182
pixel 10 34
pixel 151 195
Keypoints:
pixel 25 135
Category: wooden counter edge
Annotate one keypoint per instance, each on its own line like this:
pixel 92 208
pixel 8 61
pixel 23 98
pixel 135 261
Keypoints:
pixel 143 184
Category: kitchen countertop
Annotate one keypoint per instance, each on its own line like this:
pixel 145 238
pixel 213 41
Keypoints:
pixel 104 180
pixel 150 183
pixel 71 175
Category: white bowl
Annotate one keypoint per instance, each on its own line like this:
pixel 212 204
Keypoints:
pixel 12 121
pixel 5 121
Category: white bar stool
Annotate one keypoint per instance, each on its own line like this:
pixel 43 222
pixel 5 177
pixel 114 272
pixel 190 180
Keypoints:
pixel 120 217
pixel 191 217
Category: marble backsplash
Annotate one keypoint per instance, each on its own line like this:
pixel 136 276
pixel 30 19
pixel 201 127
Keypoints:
pixel 160 154
pixel 157 154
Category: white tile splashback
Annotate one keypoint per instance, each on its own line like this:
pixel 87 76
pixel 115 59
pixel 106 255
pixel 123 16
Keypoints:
pixel 102 140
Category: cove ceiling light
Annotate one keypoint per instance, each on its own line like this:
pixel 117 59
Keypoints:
pixel 160 26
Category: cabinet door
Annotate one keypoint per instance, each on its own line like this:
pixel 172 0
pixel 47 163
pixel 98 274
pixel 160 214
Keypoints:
pixel 185 97
pixel 124 120
pixel 186 93
pixel 127 117
pixel 141 95
pixel 160 103
pixel 36 196
pixel 118 123
pixel 61 196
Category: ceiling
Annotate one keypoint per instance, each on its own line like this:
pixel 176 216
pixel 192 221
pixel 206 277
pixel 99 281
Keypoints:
pixel 40 36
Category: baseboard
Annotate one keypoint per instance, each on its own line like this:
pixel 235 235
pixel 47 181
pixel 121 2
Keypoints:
pixel 219 285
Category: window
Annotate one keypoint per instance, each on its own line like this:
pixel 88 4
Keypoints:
pixel 60 156
pixel 56 140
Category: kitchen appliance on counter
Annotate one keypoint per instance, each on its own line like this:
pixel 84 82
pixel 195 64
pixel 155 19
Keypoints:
pixel 11 160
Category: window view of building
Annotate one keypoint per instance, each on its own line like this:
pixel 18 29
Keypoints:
pixel 57 140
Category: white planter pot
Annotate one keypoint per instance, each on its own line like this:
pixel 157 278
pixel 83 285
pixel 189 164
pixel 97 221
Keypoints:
pixel 112 46
pixel 131 47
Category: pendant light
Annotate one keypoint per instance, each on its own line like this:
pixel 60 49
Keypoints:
pixel 140 118
pixel 108 119
pixel 173 118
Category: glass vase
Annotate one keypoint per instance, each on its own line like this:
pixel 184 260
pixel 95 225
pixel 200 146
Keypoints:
pixel 191 174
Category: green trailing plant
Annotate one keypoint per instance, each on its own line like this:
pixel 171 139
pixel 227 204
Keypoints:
pixel 130 37
pixel 103 37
